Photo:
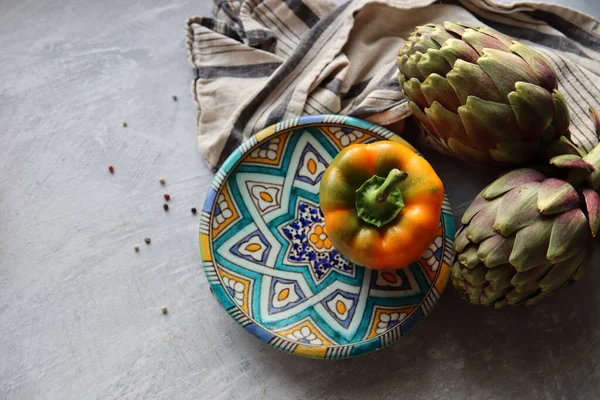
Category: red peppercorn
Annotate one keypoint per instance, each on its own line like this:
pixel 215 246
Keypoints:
pixel 111 169
pixel 167 197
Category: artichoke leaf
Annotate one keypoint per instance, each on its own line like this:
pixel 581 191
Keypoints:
pixel 561 273
pixel 570 235
pixel 446 123
pixel 437 88
pixel 538 64
pixel 461 241
pixel 530 279
pixel 425 42
pixel 455 49
pixel 490 295
pixel 481 227
pixel 515 297
pixel 459 29
pixel 556 196
pixel 467 152
pixel 476 275
pixel 468 257
pixel 505 40
pixel 480 41
pixel 563 146
pixel 488 123
pixel 518 208
pixel 420 115
pixel 512 180
pixel 505 69
pixel 470 79
pixel 571 161
pixel 533 108
pixel 499 278
pixel 440 35
pixel 592 203
pixel 412 88
pixel 476 205
pixel 495 250
pixel 562 116
pixel 531 245
pixel 433 62
pixel 411 68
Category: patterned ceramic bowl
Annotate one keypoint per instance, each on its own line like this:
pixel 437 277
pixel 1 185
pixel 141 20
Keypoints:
pixel 270 264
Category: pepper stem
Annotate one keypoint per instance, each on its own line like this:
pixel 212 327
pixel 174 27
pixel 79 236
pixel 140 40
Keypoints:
pixel 391 182
pixel 379 200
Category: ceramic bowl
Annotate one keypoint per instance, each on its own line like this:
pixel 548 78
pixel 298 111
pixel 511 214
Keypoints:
pixel 269 262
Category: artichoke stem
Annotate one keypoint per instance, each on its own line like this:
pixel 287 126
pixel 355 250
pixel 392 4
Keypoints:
pixel 593 158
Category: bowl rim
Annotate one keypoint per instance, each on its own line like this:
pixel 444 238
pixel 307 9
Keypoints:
pixel 256 329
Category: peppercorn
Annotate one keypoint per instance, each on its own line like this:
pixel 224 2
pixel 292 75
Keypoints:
pixel 124 124
pixel 194 210
pixel 111 169
pixel 167 196
pixel 174 97
pixel 147 240
pixel 166 207
pixel 164 309
pixel 136 247
pixel 161 180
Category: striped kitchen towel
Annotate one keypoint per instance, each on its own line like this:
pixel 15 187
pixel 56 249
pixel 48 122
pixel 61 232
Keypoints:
pixel 260 61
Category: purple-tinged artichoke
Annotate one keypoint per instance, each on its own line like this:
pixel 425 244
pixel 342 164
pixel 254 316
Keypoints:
pixel 526 235
pixel 483 97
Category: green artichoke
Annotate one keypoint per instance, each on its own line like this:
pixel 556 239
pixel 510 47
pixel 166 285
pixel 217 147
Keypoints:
pixel 484 97
pixel 526 235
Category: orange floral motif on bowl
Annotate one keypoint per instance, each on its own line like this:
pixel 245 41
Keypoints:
pixel 319 239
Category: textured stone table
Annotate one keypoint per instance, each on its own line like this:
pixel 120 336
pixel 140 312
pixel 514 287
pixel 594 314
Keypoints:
pixel 80 313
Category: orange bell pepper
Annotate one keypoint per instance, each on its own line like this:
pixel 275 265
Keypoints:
pixel 382 203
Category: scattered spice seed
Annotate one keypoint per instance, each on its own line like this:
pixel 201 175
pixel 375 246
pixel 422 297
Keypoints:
pixel 136 247
pixel 161 180
pixel 194 210
pixel 174 97
pixel 164 309
pixel 167 196
pixel 111 169
pixel 124 124
pixel 166 207
pixel 147 240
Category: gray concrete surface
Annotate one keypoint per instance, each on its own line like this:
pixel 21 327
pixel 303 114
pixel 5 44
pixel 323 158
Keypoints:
pixel 80 311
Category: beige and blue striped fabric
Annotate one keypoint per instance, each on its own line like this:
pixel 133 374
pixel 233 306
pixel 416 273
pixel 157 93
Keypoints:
pixel 257 62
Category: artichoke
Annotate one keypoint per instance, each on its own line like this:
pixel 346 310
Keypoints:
pixel 483 97
pixel 526 235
